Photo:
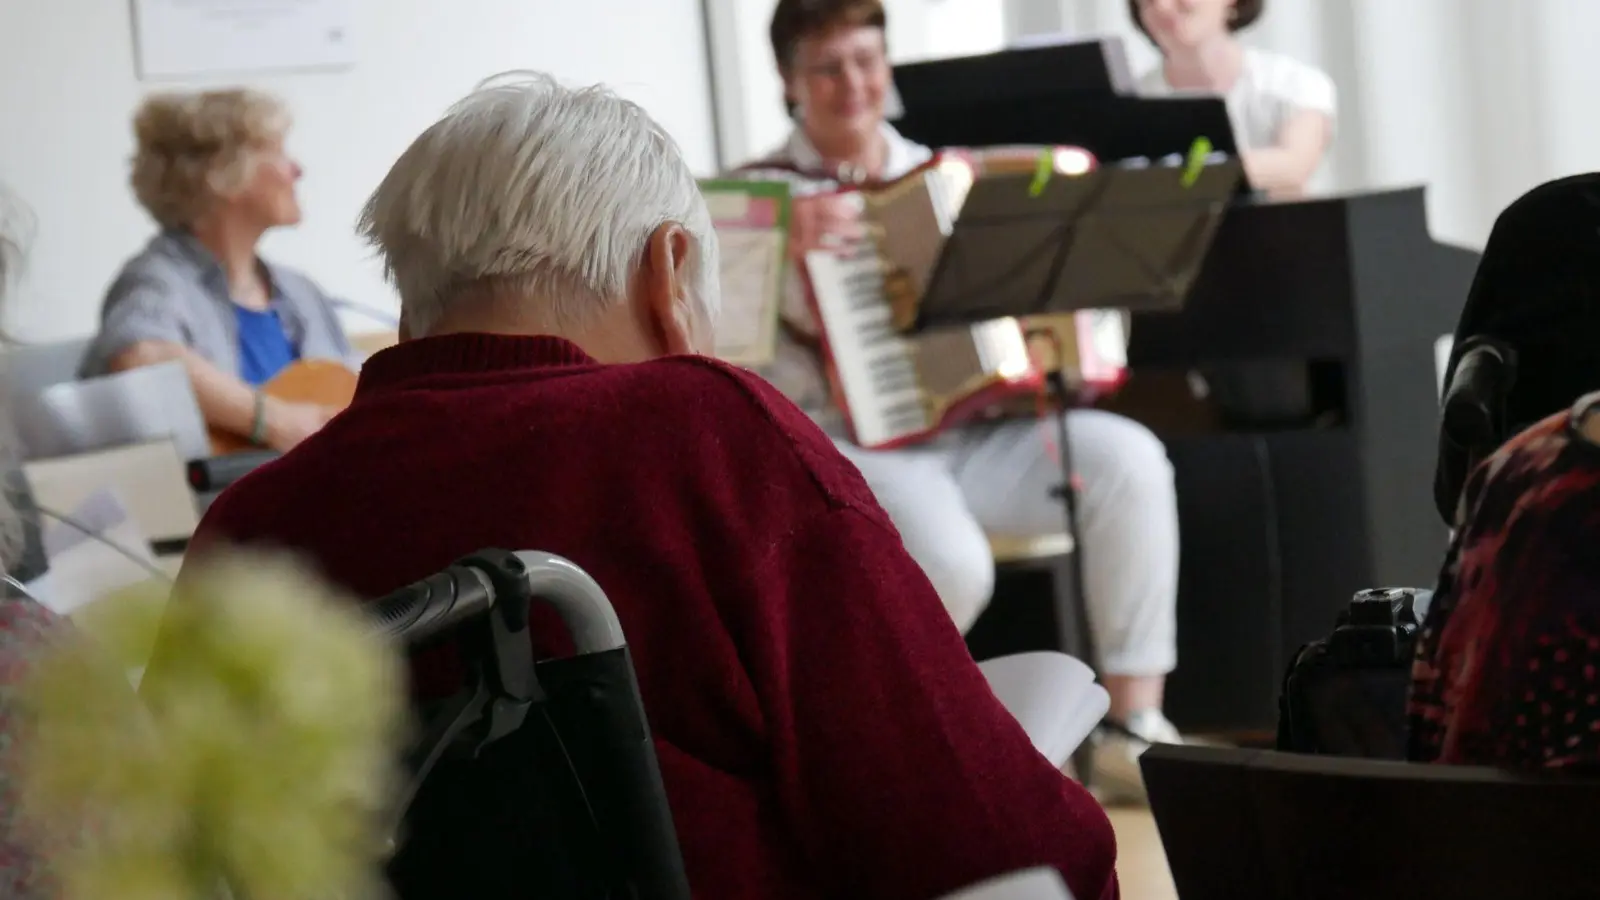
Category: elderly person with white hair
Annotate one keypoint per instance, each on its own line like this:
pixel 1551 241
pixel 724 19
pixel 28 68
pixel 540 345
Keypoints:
pixel 821 728
pixel 212 170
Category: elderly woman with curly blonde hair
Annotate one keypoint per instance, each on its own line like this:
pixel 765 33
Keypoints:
pixel 211 169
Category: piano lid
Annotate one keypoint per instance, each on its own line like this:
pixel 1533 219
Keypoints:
pixel 1078 94
pixel 1084 66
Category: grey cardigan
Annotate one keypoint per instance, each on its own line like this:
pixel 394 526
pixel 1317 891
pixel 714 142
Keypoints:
pixel 175 291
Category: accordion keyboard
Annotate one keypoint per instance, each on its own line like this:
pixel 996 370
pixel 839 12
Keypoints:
pixel 876 366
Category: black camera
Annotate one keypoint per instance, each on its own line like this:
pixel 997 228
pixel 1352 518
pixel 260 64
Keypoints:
pixel 1378 628
pixel 1346 695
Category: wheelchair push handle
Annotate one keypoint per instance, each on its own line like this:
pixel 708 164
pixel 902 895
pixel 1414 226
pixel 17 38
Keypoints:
pixel 589 704
pixel 582 605
pixel 491 579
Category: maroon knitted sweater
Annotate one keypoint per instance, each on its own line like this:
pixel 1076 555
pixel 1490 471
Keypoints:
pixel 821 728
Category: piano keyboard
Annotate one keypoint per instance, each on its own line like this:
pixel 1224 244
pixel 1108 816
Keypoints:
pixel 876 366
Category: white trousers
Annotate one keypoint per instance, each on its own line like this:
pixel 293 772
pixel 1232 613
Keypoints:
pixel 945 496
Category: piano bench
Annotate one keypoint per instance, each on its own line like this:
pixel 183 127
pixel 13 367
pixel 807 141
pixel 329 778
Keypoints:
pixel 1035 606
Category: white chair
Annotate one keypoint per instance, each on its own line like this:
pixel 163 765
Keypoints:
pixel 144 404
pixel 30 368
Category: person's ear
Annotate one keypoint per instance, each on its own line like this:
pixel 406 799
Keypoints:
pixel 791 90
pixel 664 289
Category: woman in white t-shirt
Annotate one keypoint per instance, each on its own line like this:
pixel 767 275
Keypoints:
pixel 1282 110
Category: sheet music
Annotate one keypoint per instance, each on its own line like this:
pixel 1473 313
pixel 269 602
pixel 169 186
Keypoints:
pixel 1060 719
pixel 751 221
pixel 752 282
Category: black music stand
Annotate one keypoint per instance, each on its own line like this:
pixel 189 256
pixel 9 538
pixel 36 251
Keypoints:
pixel 1117 237
pixel 1094 66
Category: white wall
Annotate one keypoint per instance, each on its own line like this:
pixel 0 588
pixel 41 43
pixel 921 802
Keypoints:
pixel 68 90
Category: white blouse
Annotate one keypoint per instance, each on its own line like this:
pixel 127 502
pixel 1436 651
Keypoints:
pixel 1271 89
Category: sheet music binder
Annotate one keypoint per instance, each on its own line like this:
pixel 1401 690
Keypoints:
pixel 1117 237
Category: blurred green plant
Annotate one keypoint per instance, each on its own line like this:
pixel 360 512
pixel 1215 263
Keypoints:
pixel 258 759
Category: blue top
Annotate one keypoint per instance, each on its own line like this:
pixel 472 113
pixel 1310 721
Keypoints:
pixel 174 291
pixel 264 346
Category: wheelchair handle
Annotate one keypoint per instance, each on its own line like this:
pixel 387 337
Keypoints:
pixel 471 587
pixel 577 598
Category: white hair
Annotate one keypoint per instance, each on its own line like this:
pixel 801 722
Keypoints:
pixel 544 192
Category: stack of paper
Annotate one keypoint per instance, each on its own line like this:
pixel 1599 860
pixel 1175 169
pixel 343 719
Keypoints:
pixel 1052 695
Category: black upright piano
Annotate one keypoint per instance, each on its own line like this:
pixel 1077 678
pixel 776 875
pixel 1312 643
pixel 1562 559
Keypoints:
pixel 1283 516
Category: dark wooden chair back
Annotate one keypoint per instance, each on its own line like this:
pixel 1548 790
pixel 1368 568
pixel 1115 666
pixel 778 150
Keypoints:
pixel 1256 824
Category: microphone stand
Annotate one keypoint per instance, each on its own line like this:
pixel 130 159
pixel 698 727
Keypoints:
pixel 1081 642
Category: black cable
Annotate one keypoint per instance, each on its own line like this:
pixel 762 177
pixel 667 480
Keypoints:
pixel 97 535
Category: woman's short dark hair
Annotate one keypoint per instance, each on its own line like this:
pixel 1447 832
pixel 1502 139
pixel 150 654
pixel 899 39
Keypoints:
pixel 795 20
pixel 1245 13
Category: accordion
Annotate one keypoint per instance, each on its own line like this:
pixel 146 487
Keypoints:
pixel 896 388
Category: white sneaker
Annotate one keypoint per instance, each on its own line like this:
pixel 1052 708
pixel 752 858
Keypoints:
pixel 1116 779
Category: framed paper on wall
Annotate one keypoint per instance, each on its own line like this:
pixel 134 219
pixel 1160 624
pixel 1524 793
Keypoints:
pixel 195 38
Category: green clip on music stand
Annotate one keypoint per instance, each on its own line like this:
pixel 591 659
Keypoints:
pixel 1118 237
